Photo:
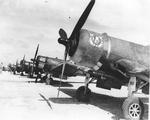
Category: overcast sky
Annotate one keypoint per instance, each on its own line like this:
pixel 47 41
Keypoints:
pixel 25 23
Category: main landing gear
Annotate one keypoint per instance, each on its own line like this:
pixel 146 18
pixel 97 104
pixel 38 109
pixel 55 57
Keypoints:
pixel 49 80
pixel 83 93
pixel 133 107
pixel 22 74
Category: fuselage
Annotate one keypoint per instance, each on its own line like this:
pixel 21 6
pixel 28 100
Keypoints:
pixel 93 46
pixel 27 66
pixel 47 63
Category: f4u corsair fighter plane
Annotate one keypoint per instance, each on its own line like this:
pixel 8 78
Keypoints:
pixel 23 66
pixel 15 67
pixel 52 67
pixel 114 62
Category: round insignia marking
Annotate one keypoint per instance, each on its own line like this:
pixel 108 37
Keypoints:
pixel 96 41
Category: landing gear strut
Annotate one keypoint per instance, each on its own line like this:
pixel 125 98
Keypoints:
pixel 133 108
pixel 83 93
pixel 49 80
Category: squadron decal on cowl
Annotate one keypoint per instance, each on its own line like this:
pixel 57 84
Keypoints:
pixel 96 41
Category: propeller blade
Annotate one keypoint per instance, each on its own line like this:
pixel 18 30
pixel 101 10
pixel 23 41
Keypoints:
pixel 37 49
pixel 63 34
pixel 82 19
pixel 22 62
pixel 73 40
pixel 24 57
pixel 62 72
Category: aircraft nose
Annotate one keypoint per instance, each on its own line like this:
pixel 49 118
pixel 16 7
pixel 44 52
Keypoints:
pixel 89 49
pixel 47 67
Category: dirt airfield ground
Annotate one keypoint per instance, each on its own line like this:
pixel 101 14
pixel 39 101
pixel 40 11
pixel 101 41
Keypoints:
pixel 22 99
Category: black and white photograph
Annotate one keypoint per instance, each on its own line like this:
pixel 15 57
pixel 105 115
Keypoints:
pixel 74 59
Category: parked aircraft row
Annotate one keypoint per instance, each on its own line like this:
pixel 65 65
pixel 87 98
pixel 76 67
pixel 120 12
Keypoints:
pixel 109 61
pixel 50 67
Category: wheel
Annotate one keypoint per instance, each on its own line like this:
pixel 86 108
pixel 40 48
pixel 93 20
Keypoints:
pixel 82 95
pixel 133 108
pixel 44 79
pixel 49 81
pixel 22 74
pixel 145 89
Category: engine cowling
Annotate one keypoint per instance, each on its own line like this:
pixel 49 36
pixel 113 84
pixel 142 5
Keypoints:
pixel 90 48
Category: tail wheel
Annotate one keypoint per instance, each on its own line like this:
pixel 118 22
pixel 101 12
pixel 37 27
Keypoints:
pixel 83 94
pixel 133 108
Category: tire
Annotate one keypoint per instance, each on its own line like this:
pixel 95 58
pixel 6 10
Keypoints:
pixel 81 95
pixel 145 89
pixel 22 74
pixel 133 108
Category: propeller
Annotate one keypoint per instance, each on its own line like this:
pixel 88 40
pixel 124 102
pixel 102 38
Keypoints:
pixel 24 57
pixel 37 49
pixel 22 62
pixel 16 62
pixel 15 67
pixel 71 43
pixel 34 60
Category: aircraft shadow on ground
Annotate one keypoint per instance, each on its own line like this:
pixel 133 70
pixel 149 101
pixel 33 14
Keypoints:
pixel 75 82
pixel 34 77
pixel 56 83
pixel 17 74
pixel 108 103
